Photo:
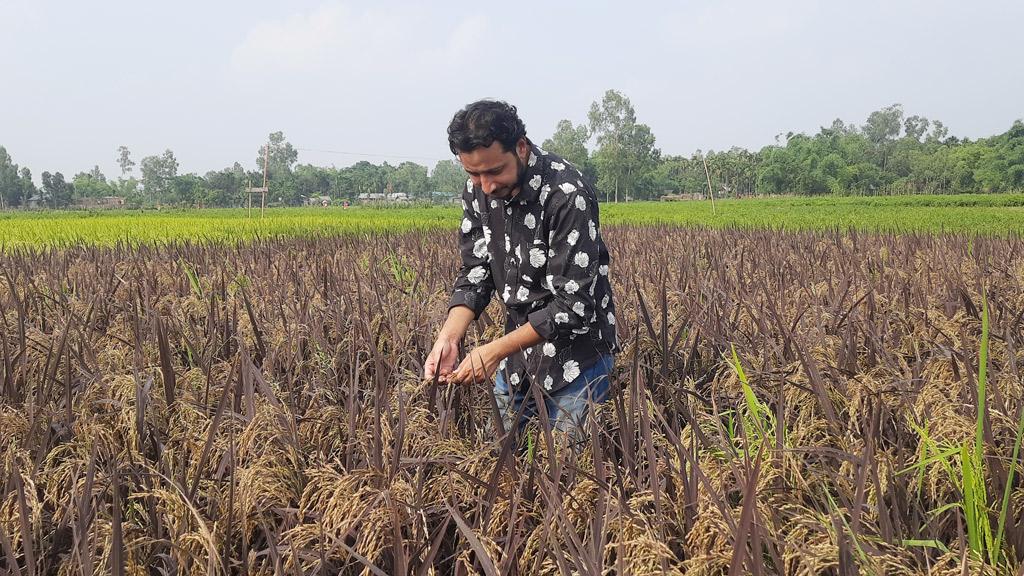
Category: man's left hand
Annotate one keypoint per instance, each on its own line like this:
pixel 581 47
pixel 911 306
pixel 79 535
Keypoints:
pixel 478 366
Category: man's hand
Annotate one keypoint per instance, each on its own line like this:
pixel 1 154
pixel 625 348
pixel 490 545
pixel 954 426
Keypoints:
pixel 441 360
pixel 482 362
pixel 478 366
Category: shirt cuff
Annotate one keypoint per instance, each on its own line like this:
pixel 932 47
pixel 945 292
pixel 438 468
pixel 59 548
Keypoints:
pixel 543 321
pixel 470 300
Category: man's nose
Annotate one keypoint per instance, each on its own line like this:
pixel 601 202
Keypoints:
pixel 487 184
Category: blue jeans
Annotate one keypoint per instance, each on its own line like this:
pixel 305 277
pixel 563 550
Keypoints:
pixel 567 408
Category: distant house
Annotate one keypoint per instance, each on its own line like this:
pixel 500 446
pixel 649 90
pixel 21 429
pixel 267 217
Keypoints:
pixel 370 197
pixel 438 197
pixel 682 197
pixel 378 198
pixel 324 201
pixel 36 201
pixel 101 203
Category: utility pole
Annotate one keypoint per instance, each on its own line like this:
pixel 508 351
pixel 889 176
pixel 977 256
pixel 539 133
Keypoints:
pixel 263 199
pixel 708 176
pixel 262 189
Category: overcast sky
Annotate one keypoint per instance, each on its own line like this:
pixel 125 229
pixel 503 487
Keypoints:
pixel 210 80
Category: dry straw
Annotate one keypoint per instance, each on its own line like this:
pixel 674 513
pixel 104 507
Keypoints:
pixel 787 403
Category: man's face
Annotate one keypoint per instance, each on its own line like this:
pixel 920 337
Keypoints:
pixel 496 171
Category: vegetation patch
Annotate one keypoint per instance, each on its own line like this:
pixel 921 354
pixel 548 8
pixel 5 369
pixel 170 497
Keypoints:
pixel 972 214
pixel 807 402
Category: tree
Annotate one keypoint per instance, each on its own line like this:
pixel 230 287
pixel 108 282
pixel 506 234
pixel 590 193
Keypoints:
pixel 626 156
pixel 28 187
pixel 57 191
pixel 448 177
pixel 569 142
pixel 189 190
pixel 914 127
pixel 281 157
pixel 225 187
pixel 16 185
pixel 1014 151
pixel 884 124
pixel 938 134
pixel 92 184
pixel 366 178
pixel 124 160
pixel 278 156
pixel 128 188
pixel 157 175
pixel 410 178
pixel 11 193
pixel 838 129
pixel 733 172
pixel 882 128
pixel 311 181
pixel 677 174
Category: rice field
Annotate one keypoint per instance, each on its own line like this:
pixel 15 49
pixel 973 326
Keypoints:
pixel 985 214
pixel 814 400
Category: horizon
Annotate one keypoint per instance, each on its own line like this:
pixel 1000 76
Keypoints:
pixel 210 82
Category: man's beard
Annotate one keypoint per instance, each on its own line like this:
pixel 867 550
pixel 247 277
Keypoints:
pixel 510 192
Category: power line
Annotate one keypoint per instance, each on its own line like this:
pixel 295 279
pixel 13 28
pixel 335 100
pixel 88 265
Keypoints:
pixel 368 154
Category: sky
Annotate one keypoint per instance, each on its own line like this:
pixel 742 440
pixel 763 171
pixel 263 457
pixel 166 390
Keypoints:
pixel 351 80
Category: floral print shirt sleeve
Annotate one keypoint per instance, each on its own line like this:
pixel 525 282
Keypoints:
pixel 475 282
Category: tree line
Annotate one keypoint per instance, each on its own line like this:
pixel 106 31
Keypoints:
pixel 156 181
pixel 891 153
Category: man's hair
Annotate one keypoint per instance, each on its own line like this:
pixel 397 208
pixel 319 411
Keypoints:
pixel 479 124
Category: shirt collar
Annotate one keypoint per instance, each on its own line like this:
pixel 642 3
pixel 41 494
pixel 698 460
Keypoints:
pixel 534 172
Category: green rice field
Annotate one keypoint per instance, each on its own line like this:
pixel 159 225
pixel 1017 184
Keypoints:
pixel 982 214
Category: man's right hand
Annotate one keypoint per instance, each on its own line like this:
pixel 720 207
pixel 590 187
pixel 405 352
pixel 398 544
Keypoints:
pixel 441 360
pixel 443 356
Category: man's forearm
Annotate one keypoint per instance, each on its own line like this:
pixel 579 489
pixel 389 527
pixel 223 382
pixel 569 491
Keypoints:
pixel 459 319
pixel 519 339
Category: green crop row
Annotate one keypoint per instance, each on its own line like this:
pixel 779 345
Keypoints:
pixel 991 214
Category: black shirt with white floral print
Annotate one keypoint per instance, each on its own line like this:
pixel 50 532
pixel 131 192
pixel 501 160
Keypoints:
pixel 542 250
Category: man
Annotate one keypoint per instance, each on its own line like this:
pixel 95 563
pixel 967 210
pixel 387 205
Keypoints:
pixel 530 230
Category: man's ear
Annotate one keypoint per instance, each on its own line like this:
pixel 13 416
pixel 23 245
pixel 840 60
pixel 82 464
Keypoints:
pixel 523 149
